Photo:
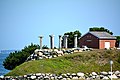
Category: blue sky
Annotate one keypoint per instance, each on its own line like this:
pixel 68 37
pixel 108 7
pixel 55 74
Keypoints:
pixel 22 21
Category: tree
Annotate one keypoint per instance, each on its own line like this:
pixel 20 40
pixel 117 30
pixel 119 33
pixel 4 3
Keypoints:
pixel 45 47
pixel 18 57
pixel 100 29
pixel 71 38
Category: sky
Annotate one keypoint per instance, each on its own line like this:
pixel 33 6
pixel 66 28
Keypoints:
pixel 22 21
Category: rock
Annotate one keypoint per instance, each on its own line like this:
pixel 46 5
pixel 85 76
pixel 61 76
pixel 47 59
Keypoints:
pixel 54 56
pixel 46 77
pixel 105 77
pixel 33 77
pixel 52 78
pixel 114 76
pixel 64 75
pixel 79 74
pixel 60 77
pixel 40 53
pixel 68 74
pixel 93 77
pixel 104 73
pixel 118 75
pixel 75 78
pixel 117 72
pixel 73 74
pixel 25 76
pixel 55 50
pixel 38 74
pixel 94 73
pixel 64 79
pixel 110 73
pixel 68 78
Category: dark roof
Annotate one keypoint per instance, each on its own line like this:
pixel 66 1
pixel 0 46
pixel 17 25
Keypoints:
pixel 102 35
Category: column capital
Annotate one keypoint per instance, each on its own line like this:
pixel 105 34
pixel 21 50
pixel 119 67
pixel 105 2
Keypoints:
pixel 51 35
pixel 60 35
pixel 40 36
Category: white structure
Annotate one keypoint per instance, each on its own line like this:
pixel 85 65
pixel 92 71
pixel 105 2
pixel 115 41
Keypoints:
pixel 65 40
pixel 51 41
pixel 60 39
pixel 75 41
pixel 40 41
pixel 111 63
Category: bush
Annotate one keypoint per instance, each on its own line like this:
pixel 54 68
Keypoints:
pixel 18 57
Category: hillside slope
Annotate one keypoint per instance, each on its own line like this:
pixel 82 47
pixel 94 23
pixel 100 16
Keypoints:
pixel 97 61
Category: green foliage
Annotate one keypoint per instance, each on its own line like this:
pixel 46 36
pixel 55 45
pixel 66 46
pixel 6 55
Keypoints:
pixel 118 38
pixel 100 29
pixel 71 37
pixel 45 47
pixel 84 62
pixel 18 57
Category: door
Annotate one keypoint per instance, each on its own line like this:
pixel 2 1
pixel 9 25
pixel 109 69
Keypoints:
pixel 107 45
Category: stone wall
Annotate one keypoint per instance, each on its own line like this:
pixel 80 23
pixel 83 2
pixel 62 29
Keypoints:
pixel 67 76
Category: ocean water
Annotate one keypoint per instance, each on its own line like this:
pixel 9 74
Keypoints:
pixel 3 55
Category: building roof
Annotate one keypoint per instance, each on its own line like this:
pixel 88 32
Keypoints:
pixel 102 35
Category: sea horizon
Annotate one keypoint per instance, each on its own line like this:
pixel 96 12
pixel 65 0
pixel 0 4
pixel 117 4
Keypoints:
pixel 3 55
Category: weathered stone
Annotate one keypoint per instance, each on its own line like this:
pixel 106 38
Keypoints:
pixel 73 74
pixel 117 72
pixel 79 74
pixel 68 74
pixel 64 79
pixel 52 78
pixel 114 76
pixel 93 77
pixel 105 78
pixel 104 73
pixel 118 75
pixel 40 53
pixel 33 77
pixel 54 56
pixel 75 78
pixel 68 78
pixel 109 73
pixel 94 73
pixel 60 77
pixel 64 75
pixel 46 77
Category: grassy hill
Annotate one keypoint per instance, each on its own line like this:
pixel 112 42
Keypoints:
pixel 97 60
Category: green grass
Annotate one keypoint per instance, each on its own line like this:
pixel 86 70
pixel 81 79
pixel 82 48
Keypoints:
pixel 87 62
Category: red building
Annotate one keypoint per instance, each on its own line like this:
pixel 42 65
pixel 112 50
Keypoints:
pixel 98 40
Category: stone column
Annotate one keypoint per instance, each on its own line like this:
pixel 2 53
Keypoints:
pixel 60 39
pixel 75 41
pixel 65 40
pixel 51 41
pixel 40 41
